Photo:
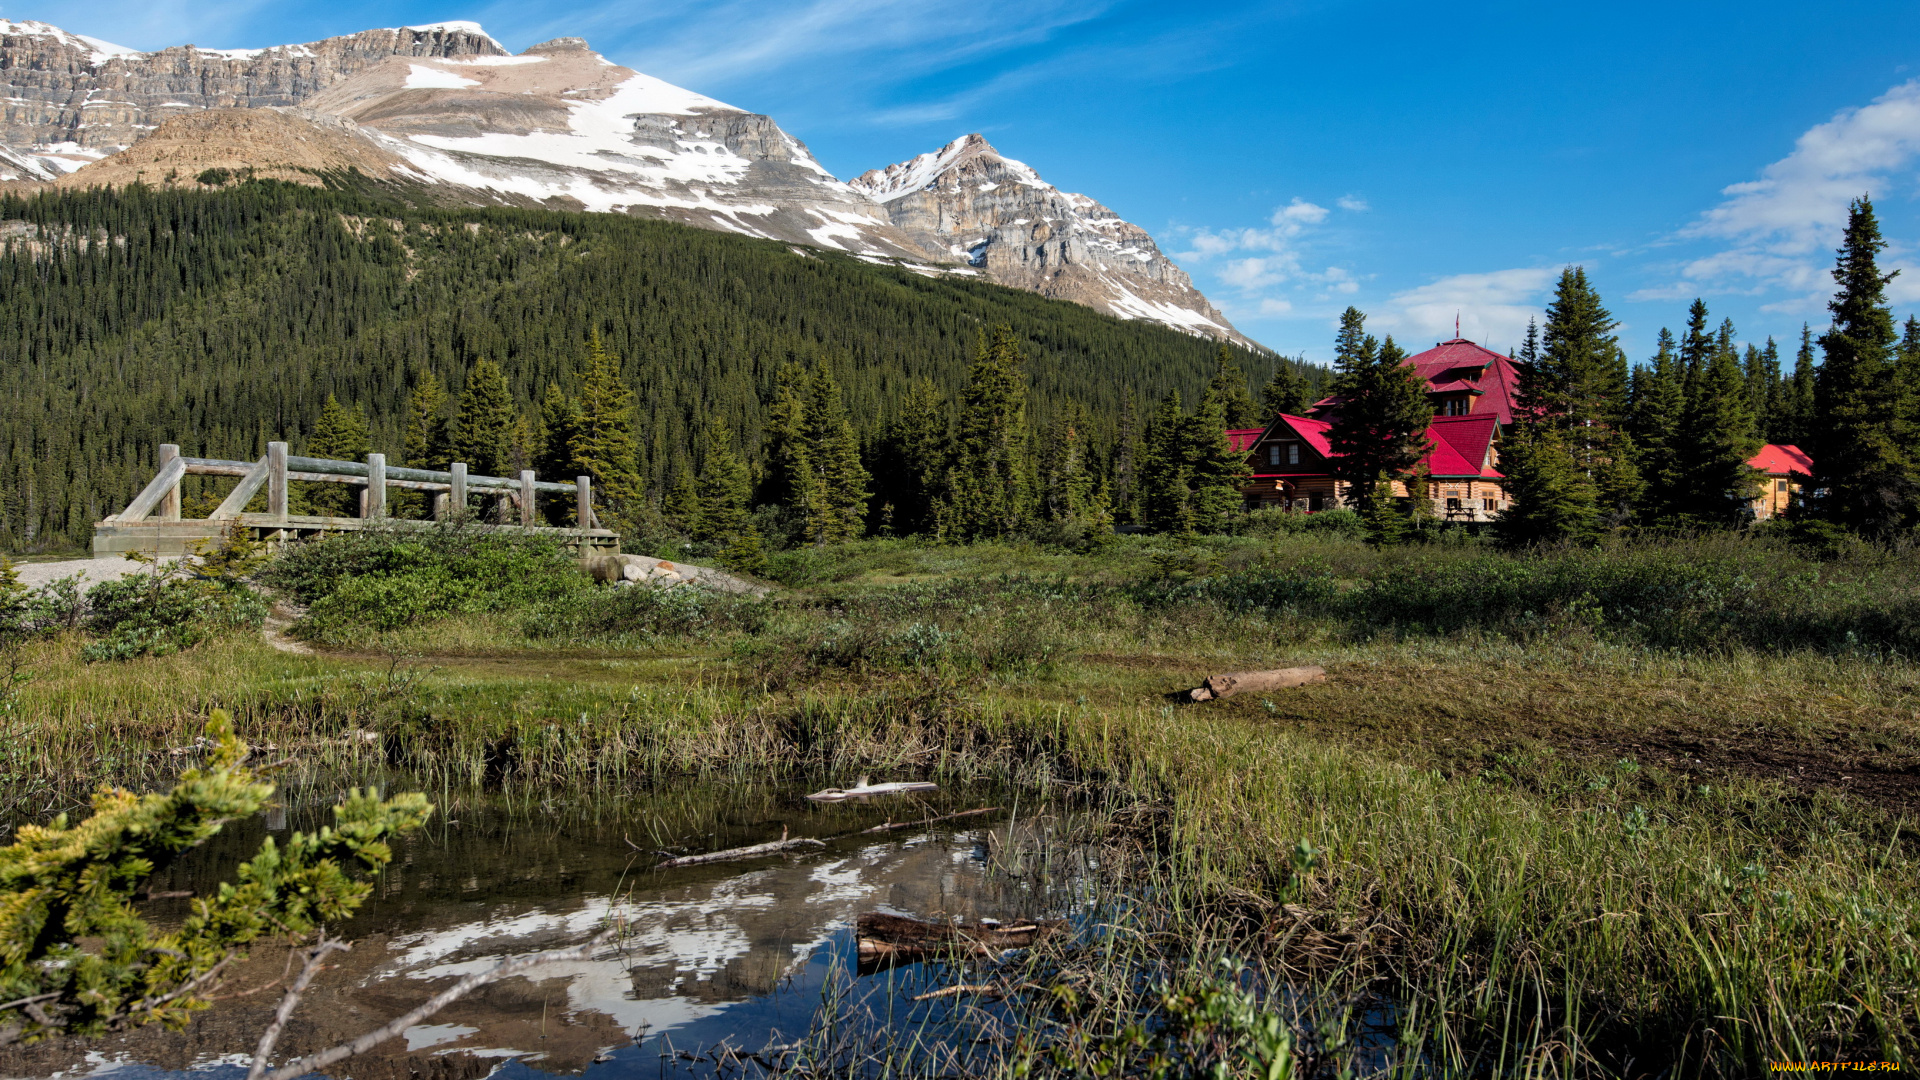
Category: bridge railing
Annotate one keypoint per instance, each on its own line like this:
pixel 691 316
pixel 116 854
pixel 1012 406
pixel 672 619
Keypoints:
pixel 160 499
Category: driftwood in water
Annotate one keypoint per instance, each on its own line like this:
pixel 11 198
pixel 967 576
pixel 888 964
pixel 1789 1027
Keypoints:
pixel 863 790
pixel 751 851
pixel 886 940
pixel 1241 682
pixel 892 825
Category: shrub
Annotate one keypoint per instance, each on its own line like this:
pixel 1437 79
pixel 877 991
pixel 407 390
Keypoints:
pixel 648 612
pixel 161 613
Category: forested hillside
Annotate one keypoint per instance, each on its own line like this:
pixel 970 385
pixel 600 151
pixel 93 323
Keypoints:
pixel 223 319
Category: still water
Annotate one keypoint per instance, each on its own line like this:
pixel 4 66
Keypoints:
pixel 741 955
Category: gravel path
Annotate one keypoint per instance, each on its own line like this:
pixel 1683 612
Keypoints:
pixel 92 571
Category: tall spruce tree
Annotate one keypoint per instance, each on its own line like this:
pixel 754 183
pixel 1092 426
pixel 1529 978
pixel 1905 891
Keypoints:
pixel 1717 438
pixel 559 428
pixel 833 451
pixel 1795 425
pixel 427 443
pixel 680 505
pixel 483 427
pixel 340 434
pixel 1761 369
pixel 723 488
pixel 1127 451
pixel 1166 472
pixel 1215 469
pixel 988 484
pixel 912 460
pixel 1865 474
pixel 1659 405
pixel 604 446
pixel 788 479
pixel 1229 384
pixel 1575 393
pixel 1380 429
pixel 1287 392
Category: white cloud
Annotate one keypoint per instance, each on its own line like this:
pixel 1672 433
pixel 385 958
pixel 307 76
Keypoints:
pixel 1261 262
pixel 1493 308
pixel 1299 211
pixel 1781 227
pixel 1352 203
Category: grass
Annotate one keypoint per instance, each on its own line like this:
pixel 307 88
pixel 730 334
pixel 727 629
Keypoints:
pixel 1546 831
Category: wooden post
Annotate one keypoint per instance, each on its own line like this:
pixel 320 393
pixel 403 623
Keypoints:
pixel 277 480
pixel 376 486
pixel 583 501
pixel 457 498
pixel 526 498
pixel 440 504
pixel 170 503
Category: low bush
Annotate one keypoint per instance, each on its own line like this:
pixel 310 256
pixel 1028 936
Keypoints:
pixel 157 614
pixel 408 575
pixel 646 612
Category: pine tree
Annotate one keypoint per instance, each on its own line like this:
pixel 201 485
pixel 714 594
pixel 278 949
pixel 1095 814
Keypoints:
pixel 1795 425
pixel 603 446
pixel 723 489
pixel 1380 428
pixel 833 451
pixel 1575 393
pixel 1382 518
pixel 427 443
pixel 1287 392
pixel 789 477
pixel 559 428
pixel 1127 452
pixel 1716 440
pixel 1659 402
pixel 681 505
pixel 988 482
pixel 1863 456
pixel 483 429
pixel 1761 369
pixel 1549 499
pixel 1215 469
pixel 1166 473
pixel 340 435
pixel 1229 384
pixel 911 463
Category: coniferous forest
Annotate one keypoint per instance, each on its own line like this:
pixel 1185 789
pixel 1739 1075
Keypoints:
pixel 221 320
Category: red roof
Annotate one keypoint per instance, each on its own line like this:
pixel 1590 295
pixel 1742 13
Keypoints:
pixel 1458 444
pixel 1459 366
pixel 1781 459
pixel 1242 439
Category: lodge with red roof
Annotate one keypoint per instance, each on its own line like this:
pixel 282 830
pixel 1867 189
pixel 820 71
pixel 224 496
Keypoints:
pixel 1473 391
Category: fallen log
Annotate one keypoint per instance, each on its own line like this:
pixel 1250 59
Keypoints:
pixel 887 940
pixel 751 851
pixel 864 790
pixel 1241 682
pixel 891 825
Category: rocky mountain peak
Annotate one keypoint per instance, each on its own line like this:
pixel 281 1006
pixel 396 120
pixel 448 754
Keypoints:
pixel 968 201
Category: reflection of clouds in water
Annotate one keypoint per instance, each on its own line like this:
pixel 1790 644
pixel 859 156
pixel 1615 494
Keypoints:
pixel 690 950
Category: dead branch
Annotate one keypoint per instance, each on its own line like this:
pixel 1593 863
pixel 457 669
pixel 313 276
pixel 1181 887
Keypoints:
pixel 864 790
pixel 315 955
pixel 752 851
pixel 1240 682
pixel 891 825
pixel 503 970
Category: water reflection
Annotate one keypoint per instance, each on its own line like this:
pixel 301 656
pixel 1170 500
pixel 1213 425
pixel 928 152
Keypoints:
pixel 734 952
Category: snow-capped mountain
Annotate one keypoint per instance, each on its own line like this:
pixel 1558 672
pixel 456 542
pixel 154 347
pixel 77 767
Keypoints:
pixel 1000 216
pixel 74 99
pixel 448 108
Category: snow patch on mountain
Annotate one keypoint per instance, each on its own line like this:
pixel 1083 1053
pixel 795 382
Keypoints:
pixel 426 78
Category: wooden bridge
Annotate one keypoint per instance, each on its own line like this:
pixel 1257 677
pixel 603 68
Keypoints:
pixel 152 524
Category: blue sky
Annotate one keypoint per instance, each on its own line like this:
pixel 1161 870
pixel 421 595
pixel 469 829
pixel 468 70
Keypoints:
pixel 1410 159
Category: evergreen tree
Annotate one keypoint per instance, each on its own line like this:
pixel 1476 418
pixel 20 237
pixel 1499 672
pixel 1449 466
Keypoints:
pixel 1761 368
pixel 1576 389
pixel 1716 440
pixel 912 460
pixel 483 428
pixel 427 443
pixel 1380 428
pixel 1383 519
pixel 988 482
pixel 1215 469
pixel 603 446
pixel 1287 392
pixel 1795 425
pixel 340 435
pixel 1659 404
pixel 1229 384
pixel 559 428
pixel 723 489
pixel 1127 452
pixel 1549 498
pixel 681 505
pixel 833 452
pixel 1863 452
pixel 789 476
pixel 1166 472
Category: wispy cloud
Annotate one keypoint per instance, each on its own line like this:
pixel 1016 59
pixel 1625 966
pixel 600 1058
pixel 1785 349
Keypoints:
pixel 1778 231
pixel 1493 308
pixel 1269 268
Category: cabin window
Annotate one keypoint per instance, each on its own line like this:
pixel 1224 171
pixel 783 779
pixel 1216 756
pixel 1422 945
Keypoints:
pixel 1779 485
pixel 1273 453
pixel 1453 505
pixel 1293 453
pixel 1454 407
pixel 1313 502
pixel 1487 505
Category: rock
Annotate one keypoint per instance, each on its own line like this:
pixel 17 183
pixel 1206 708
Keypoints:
pixel 966 201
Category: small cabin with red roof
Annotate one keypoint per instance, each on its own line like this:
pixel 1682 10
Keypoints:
pixel 1292 464
pixel 1786 467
